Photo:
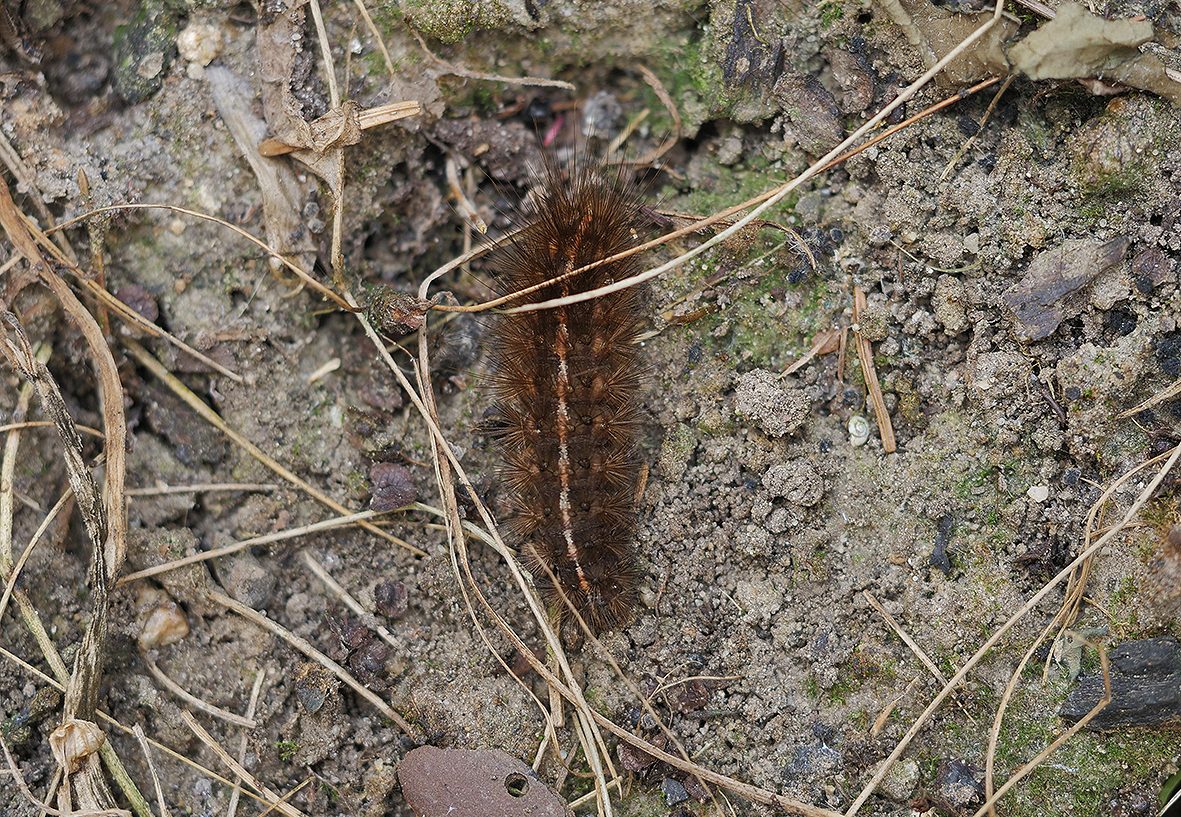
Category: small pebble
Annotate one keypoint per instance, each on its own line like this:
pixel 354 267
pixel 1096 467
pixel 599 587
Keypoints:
pixel 674 791
pixel 248 581
pixel 1038 493
pixel 199 43
pixel 166 624
pixel 391 599
pixel 139 299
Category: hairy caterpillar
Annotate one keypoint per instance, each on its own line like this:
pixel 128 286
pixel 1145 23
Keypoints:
pixel 565 384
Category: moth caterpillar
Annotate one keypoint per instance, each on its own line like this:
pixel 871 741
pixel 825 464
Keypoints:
pixel 565 383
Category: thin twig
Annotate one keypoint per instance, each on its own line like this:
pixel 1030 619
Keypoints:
pixel 213 418
pixel 203 487
pixel 865 355
pixel 234 547
pixel 255 617
pixel 237 768
pixel 191 699
pixel 147 750
pixel 910 642
pixel 251 708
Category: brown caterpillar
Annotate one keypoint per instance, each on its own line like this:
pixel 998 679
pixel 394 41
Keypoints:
pixel 566 381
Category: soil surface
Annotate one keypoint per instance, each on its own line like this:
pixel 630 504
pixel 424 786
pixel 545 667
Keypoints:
pixel 1018 257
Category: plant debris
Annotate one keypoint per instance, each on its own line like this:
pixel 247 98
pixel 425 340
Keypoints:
pixel 1145 687
pixel 1045 296
pixel 1079 45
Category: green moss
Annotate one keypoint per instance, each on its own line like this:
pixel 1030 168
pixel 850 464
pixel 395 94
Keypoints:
pixel 287 749
pixel 829 13
pixel 812 688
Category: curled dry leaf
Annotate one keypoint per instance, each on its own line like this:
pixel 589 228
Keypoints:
pixel 74 741
pixel 475 783
pixel 395 313
pixel 1079 45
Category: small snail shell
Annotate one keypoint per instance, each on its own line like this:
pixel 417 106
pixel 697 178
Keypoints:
pixel 858 430
pixel 73 742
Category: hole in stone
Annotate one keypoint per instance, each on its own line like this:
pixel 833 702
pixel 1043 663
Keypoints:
pixel 516 784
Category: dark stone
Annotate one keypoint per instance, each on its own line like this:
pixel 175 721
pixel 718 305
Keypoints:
pixel 140 300
pixel 674 791
pixel 1167 349
pixel 391 599
pixel 957 784
pixel 1145 687
pixel 939 557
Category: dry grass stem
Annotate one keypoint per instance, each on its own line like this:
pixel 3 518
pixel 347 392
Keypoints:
pixel 865 355
pixel 8 464
pixel 334 586
pixel 105 522
pixel 255 617
pixel 468 584
pixel 125 313
pixel 203 487
pixel 92 432
pixel 385 53
pixel 147 750
pixel 1029 605
pixel 667 101
pixel 446 67
pixel 325 53
pixel 879 723
pixel 327 368
pixel 191 699
pixel 244 744
pixel 1066 614
pixel 1037 760
pixel 23 787
pixel 1165 394
pixel 16 569
pixel 467 210
pixel 103 716
pixel 971 140
pixel 213 418
pixel 270 797
pixel 768 200
pixel 234 547
pixel 911 643
pixel 262 245
pixel 28 180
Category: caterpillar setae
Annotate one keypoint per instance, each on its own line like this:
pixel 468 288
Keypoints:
pixel 565 383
